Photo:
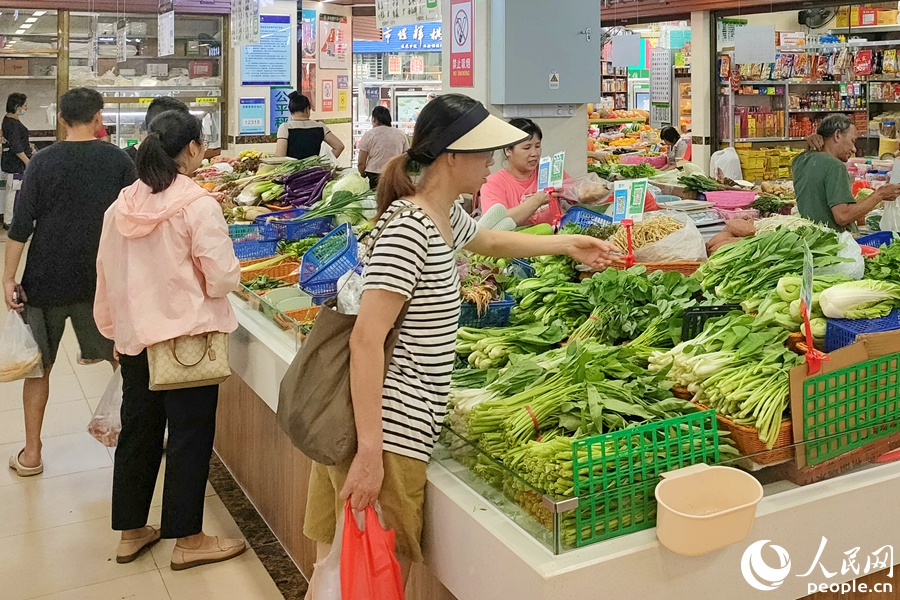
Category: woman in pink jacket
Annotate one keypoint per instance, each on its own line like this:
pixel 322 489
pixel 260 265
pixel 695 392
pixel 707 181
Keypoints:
pixel 164 269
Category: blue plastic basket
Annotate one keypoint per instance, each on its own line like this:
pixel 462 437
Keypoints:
pixel 584 217
pixel 843 332
pixel 258 232
pixel 496 315
pixel 247 250
pixel 521 268
pixel 295 230
pixel 879 238
pixel 319 275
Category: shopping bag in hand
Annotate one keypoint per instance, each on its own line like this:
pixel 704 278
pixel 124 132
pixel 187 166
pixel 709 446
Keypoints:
pixel 326 582
pixel 106 423
pixel 20 356
pixel 369 566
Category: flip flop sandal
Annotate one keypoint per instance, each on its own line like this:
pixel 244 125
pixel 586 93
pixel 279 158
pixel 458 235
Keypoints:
pixel 21 470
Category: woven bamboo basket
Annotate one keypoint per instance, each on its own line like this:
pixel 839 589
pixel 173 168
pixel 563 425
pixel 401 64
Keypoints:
pixel 685 267
pixel 285 271
pixel 304 316
pixel 748 443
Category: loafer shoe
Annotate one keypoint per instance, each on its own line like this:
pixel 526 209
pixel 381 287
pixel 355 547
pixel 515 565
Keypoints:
pixel 129 550
pixel 223 549
pixel 21 470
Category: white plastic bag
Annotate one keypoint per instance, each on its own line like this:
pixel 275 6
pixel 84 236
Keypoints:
pixel 350 289
pixel 890 220
pixel 855 269
pixel 686 244
pixel 587 189
pixel 106 423
pixel 20 356
pixel 326 583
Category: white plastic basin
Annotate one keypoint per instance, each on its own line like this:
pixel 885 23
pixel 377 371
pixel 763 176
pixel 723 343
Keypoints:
pixel 703 508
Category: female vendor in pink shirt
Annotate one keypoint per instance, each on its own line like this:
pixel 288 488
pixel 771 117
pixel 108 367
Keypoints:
pixel 515 187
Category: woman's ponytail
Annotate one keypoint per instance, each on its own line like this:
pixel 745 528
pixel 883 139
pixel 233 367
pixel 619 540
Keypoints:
pixel 157 156
pixel 154 167
pixel 395 182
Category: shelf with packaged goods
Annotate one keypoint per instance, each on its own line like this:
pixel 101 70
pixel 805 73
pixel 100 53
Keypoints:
pixel 864 29
pixel 28 55
pixel 876 101
pixel 763 139
pixel 830 110
pixel 615 121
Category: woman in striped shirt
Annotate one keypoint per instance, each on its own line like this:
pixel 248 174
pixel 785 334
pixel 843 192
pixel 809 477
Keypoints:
pixel 399 417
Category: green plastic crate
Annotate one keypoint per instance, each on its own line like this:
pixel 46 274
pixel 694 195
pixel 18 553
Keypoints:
pixel 850 407
pixel 617 501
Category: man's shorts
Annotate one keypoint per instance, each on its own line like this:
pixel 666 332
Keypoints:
pixel 48 325
pixel 402 500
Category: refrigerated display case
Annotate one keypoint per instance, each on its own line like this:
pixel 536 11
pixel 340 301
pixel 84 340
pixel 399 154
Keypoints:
pixel 29 48
pixel 193 75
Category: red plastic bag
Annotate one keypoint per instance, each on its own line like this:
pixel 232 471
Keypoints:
pixel 369 565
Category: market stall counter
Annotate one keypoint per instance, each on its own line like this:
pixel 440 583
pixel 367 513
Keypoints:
pixel 475 550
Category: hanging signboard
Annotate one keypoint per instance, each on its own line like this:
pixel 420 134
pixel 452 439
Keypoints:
pixel 269 62
pixel 462 20
pixel 395 65
pixel 424 37
pixel 166 25
pixel 252 116
pixel 389 13
pixel 334 42
pixel 245 25
pixel 121 43
pixel 417 65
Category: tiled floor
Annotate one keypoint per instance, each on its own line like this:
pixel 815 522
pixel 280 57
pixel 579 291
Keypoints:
pixel 55 536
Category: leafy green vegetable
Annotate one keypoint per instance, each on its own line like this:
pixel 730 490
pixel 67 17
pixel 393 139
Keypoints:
pixel 754 265
pixel 699 183
pixel 610 170
pixel 885 266
pixel 866 299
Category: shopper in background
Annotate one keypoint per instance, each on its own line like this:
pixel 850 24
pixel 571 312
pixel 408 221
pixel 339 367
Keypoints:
pixel 677 147
pixel 822 182
pixel 67 188
pixel 165 267
pixel 515 187
pixel 156 108
pixel 398 418
pixel 379 145
pixel 301 137
pixel 16 150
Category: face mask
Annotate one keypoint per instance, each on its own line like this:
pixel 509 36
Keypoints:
pixel 22 111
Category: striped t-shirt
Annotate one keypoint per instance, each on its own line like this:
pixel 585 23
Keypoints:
pixel 411 258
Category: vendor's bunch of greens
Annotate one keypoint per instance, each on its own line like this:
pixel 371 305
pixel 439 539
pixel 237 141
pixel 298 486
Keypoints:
pixel 610 171
pixel 781 306
pixel 755 264
pixel 490 347
pixel 738 366
pixel 645 308
pixel 886 265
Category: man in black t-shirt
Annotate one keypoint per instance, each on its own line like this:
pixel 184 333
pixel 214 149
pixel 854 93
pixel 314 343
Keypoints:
pixel 66 191
pixel 16 151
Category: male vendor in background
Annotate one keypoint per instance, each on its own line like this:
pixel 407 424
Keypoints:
pixel 822 183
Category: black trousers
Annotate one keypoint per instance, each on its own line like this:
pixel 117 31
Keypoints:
pixel 373 179
pixel 191 416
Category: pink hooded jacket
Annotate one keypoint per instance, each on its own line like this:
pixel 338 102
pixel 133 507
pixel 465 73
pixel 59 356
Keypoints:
pixel 165 267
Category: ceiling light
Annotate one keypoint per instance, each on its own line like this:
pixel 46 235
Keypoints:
pixel 31 20
pixel 40 13
pixel 20 32
pixel 26 26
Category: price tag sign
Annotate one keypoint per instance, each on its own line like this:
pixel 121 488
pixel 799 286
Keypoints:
pixel 806 285
pixel 544 173
pixel 621 195
pixel 145 100
pixel 638 198
pixel 557 171
pixel 207 100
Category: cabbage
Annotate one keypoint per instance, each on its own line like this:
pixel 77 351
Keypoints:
pixel 865 299
pixel 351 182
